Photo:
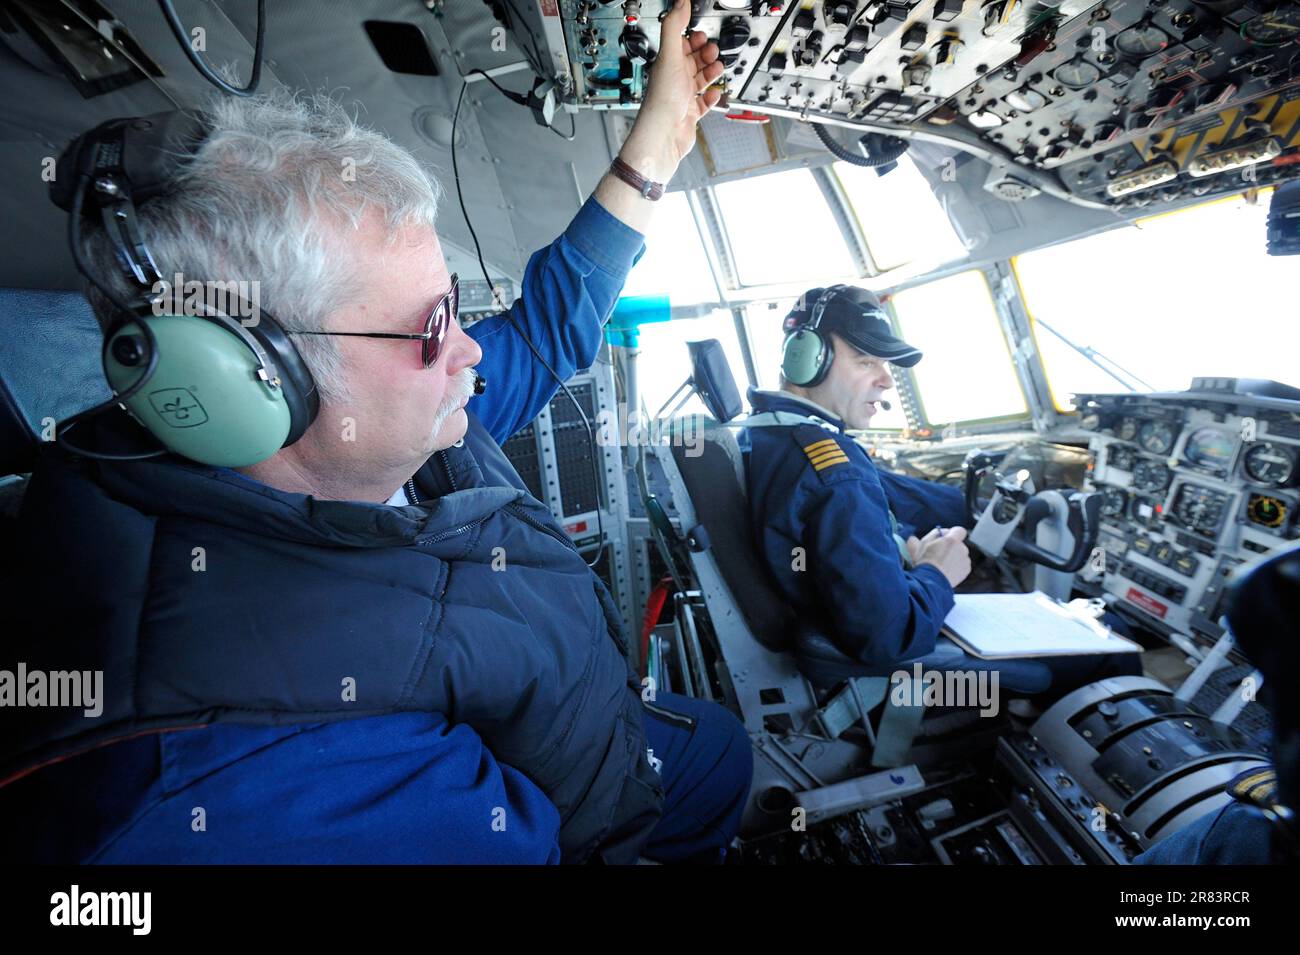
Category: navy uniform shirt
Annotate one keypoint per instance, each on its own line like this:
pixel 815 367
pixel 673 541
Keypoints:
pixel 828 526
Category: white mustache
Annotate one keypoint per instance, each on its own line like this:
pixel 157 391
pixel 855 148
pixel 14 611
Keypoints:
pixel 460 388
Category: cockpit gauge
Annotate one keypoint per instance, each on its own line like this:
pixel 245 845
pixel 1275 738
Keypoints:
pixel 1126 428
pixel 1156 437
pixel 1267 463
pixel 1025 99
pixel 1114 502
pixel 1150 476
pixel 1266 511
pixel 1090 421
pixel 1142 39
pixel 1121 456
pixel 1199 508
pixel 1077 73
pixel 1211 449
pixel 1273 29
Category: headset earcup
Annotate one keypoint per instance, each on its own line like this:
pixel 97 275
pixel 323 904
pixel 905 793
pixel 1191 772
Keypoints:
pixel 204 399
pixel 803 357
pixel 824 364
pixel 295 378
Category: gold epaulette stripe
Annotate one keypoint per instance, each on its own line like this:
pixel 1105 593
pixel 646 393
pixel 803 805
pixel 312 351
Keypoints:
pixel 830 462
pixel 817 446
pixel 823 455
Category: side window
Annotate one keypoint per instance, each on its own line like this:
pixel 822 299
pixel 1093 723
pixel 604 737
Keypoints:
pixel 900 217
pixel 763 320
pixel 966 373
pixel 666 363
pixel 781 230
pixel 674 263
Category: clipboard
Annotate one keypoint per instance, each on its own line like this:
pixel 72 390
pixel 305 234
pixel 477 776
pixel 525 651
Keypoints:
pixel 1007 626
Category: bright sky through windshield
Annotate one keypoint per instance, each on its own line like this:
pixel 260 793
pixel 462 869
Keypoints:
pixel 1181 295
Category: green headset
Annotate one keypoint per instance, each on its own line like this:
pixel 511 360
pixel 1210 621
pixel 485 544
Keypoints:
pixel 214 388
pixel 807 354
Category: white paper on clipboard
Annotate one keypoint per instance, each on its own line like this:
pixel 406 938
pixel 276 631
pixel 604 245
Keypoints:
pixel 1001 626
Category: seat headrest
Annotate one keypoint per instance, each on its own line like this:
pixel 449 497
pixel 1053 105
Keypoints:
pixel 49 369
pixel 715 481
pixel 713 380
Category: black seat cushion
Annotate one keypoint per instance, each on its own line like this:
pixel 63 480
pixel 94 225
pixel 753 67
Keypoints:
pixel 721 506
pixel 826 665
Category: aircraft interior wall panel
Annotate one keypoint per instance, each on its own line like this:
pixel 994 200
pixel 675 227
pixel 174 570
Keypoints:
pixel 553 455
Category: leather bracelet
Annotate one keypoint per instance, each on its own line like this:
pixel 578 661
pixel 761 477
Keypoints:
pixel 648 188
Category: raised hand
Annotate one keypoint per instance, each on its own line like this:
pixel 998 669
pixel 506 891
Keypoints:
pixel 679 95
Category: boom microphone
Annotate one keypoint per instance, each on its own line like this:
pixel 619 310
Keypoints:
pixel 480 384
pixel 884 405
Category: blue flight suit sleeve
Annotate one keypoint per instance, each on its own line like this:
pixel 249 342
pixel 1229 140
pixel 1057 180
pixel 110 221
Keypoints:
pixel 568 293
pixel 920 505
pixel 881 613
pixel 410 788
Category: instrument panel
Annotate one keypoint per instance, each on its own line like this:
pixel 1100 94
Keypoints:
pixel 1115 102
pixel 1193 484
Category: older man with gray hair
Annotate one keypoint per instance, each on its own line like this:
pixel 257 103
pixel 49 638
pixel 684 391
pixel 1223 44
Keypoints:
pixel 372 645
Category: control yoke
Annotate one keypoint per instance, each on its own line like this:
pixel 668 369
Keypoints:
pixel 1028 524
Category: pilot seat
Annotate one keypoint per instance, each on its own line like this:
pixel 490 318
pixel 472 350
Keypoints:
pixel 817 716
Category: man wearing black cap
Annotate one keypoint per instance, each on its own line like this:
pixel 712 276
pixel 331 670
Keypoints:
pixel 838 535
pixel 866 557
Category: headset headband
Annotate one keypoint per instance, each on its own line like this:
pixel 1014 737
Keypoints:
pixel 819 307
pixel 116 167
pixel 827 296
